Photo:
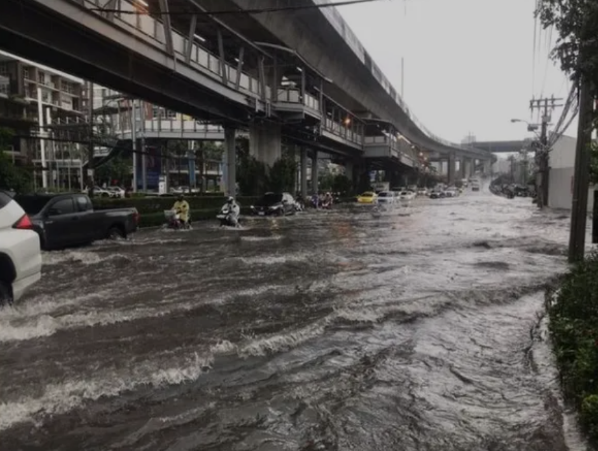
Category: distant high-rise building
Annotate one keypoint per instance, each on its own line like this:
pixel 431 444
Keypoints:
pixel 37 101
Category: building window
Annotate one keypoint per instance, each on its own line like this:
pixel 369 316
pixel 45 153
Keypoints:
pixel 26 73
pixel 4 69
pixel 41 77
pixel 171 114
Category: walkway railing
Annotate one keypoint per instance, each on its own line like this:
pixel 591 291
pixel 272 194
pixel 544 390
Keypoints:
pixel 208 63
pixel 393 144
pixel 169 126
pixel 294 96
pixel 342 131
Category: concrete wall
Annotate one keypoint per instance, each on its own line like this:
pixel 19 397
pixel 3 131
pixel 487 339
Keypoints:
pixel 560 191
pixel 563 153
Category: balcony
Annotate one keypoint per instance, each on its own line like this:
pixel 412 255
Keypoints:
pixel 385 146
pixel 290 100
pixel 341 133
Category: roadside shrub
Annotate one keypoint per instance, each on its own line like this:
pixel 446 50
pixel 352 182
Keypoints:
pixel 574 331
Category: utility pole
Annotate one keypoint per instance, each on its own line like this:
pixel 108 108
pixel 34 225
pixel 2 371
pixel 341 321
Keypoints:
pixel 90 166
pixel 581 178
pixel 542 157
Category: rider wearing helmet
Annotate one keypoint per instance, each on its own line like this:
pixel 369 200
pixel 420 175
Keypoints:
pixel 181 207
pixel 233 206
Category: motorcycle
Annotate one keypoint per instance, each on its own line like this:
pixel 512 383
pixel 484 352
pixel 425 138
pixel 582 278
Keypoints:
pixel 173 221
pixel 228 218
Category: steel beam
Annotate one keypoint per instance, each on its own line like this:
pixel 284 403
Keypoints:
pixel 240 67
pixel 110 4
pixel 190 39
pixel 167 27
pixel 217 21
pixel 223 73
pixel 60 33
pixel 262 78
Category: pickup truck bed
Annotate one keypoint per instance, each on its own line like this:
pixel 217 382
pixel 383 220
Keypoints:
pixel 64 220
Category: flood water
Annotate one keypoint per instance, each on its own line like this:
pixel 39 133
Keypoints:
pixel 419 329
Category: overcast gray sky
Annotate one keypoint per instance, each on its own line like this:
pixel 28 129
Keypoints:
pixel 468 63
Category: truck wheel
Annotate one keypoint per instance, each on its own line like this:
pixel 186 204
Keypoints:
pixel 115 233
pixel 5 294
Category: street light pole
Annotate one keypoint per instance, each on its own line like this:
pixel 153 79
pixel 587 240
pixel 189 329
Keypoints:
pixel 543 156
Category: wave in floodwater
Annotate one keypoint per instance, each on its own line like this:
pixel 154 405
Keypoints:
pixel 419 332
pixel 47 316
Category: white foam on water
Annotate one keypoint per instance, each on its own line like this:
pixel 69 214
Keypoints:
pixel 80 257
pixel 33 319
pixel 273 259
pixel 359 316
pixel 287 340
pixel 261 238
pixel 223 347
pixel 61 398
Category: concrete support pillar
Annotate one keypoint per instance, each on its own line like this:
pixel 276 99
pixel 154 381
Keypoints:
pixel 462 173
pixel 314 172
pixel 349 169
pixel 487 168
pixel 471 168
pixel 230 162
pixel 265 142
pixel 443 167
pixel 304 192
pixel 451 168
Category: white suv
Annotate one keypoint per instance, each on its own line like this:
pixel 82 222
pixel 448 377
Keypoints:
pixel 20 255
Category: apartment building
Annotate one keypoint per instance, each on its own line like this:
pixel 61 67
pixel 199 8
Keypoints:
pixel 48 105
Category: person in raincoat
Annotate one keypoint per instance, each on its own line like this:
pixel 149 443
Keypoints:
pixel 181 208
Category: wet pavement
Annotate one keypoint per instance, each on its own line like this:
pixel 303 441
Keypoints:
pixel 419 329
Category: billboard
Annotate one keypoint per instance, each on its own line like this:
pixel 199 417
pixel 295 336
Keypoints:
pixel 153 168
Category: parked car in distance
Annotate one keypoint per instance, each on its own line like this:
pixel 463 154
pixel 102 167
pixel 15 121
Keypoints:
pixel 386 197
pixel 407 195
pixel 436 194
pixel 64 220
pixel 98 192
pixel 422 192
pixel 279 204
pixel 20 254
pixel 116 192
pixel 369 197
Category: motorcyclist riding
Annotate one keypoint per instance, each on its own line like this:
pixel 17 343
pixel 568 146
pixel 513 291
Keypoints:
pixel 229 214
pixel 181 208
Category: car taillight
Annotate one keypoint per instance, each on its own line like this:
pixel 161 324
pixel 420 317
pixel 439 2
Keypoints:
pixel 23 224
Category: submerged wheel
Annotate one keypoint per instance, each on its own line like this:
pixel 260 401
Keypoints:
pixel 5 294
pixel 115 233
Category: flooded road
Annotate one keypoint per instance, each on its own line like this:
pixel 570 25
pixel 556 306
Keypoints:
pixel 416 330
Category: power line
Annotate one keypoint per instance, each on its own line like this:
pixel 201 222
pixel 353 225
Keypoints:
pixel 240 11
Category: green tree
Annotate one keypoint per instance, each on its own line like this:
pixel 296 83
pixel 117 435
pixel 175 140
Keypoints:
pixel 282 175
pixel 576 22
pixel 251 175
pixel 118 168
pixel 594 163
pixel 14 177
